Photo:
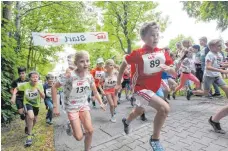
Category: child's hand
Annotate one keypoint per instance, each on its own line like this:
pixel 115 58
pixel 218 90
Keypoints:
pixel 165 67
pixel 103 106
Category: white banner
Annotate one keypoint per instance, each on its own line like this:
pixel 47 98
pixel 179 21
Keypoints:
pixel 43 39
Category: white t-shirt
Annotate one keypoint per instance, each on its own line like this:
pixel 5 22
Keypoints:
pixel 216 59
pixel 109 81
pixel 76 90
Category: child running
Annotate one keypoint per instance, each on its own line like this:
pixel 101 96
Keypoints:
pixel 186 69
pixel 213 68
pixel 33 92
pixel 76 85
pixel 149 63
pixel 109 80
pixel 48 99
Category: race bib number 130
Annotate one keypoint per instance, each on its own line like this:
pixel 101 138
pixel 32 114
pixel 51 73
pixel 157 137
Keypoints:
pixel 152 61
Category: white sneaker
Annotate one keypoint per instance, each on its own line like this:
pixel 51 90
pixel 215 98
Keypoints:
pixel 113 119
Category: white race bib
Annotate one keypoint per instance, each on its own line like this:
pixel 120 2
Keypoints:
pixel 48 92
pixel 152 61
pixel 79 93
pixel 19 84
pixel 31 94
pixel 99 74
pixel 110 82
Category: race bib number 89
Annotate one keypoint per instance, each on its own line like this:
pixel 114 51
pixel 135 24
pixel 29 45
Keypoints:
pixel 152 61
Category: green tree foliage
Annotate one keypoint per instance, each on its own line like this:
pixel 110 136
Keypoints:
pixel 19 19
pixel 122 21
pixel 179 38
pixel 208 10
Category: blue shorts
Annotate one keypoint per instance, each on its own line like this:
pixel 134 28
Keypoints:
pixel 160 93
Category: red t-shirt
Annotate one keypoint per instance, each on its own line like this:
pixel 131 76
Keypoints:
pixel 97 74
pixel 145 71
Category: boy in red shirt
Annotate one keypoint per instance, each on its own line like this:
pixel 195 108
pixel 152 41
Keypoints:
pixel 149 62
pixel 97 73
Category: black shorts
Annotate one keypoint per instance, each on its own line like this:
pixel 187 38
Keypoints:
pixel 34 109
pixel 98 90
pixel 19 104
pixel 126 82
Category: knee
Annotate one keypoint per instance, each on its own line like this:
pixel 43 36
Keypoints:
pixel 89 132
pixel 164 110
pixel 112 106
pixel 78 137
pixel 31 118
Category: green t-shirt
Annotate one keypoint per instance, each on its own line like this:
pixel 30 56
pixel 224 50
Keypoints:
pixel 31 94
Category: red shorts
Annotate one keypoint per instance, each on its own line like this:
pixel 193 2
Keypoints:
pixel 75 114
pixel 110 91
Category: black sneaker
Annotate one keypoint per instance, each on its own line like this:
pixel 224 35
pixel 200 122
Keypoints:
pixel 155 144
pixel 143 117
pixel 216 126
pixel 216 95
pixel 28 142
pixel 126 126
pixel 26 130
pixel 174 95
pixel 132 101
pixel 94 104
pixel 168 97
pixel 189 94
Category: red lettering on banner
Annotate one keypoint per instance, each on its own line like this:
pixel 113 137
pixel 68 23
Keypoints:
pixel 50 38
pixel 100 35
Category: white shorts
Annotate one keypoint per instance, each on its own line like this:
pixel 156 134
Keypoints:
pixel 143 97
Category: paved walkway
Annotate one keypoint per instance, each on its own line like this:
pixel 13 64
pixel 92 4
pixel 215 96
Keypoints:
pixel 185 129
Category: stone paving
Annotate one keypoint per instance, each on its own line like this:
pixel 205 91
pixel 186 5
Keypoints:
pixel 186 129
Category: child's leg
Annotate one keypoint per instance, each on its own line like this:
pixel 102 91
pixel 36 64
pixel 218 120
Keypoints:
pixel 183 79
pixel 76 125
pixel 221 114
pixel 114 98
pixel 87 124
pixel 194 79
pixel 162 111
pixel 111 104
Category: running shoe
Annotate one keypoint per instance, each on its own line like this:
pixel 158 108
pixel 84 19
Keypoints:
pixel 216 126
pixel 113 119
pixel 132 101
pixel 143 117
pixel 174 95
pixel 68 130
pixel 156 145
pixel 189 94
pixel 126 126
pixel 28 141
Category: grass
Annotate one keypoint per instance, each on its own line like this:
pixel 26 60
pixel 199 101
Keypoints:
pixel 13 137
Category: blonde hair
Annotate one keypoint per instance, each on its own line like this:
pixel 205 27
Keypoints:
pixel 146 27
pixel 79 55
pixel 109 61
pixel 214 42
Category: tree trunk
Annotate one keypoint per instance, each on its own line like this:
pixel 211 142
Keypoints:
pixel 18 25
pixel 128 45
pixel 29 54
pixel 6 13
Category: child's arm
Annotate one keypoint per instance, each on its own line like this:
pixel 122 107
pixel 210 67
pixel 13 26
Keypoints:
pixel 13 98
pixel 209 67
pixel 97 96
pixel 54 97
pixel 100 87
